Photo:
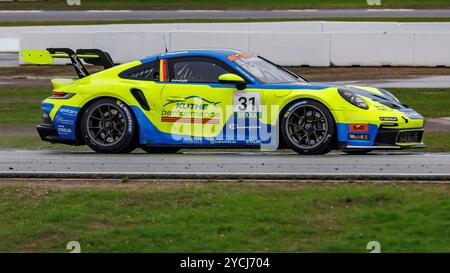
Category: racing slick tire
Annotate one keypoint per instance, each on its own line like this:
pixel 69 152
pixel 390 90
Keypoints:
pixel 308 128
pixel 160 150
pixel 108 126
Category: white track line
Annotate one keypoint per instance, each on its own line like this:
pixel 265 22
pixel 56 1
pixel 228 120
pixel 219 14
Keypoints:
pixel 106 11
pixel 229 175
pixel 390 10
pixel 21 11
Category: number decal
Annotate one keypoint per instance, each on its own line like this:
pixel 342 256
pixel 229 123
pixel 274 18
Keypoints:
pixel 243 104
pixel 247 102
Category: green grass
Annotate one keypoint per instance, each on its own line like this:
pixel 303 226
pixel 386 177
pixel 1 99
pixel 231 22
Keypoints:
pixel 34 93
pixel 230 217
pixel 21 105
pixel 224 4
pixel 437 142
pixel 20 113
pixel 429 102
pixel 105 22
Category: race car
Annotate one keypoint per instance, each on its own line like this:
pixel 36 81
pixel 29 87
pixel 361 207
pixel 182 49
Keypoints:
pixel 215 98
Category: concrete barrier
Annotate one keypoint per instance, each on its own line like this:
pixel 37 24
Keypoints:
pixel 189 40
pixel 311 49
pixel 287 43
pixel 359 27
pixel 372 49
pixel 129 46
pixel 432 49
pixel 280 27
pixel 214 27
pixel 252 27
pixel 420 27
pixel 9 45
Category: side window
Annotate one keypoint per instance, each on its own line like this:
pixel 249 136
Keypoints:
pixel 143 72
pixel 197 70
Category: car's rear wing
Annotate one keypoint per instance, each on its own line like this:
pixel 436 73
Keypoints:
pixel 90 56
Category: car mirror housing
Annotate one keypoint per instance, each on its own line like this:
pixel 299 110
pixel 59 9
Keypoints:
pixel 231 78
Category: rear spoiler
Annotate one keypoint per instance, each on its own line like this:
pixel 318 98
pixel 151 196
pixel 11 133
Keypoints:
pixel 90 56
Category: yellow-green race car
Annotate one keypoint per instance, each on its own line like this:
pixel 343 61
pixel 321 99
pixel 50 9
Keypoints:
pixel 215 98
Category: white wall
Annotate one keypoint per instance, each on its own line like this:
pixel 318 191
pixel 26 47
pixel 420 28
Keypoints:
pixel 128 46
pixel 9 45
pixel 372 49
pixel 287 43
pixel 359 27
pixel 292 48
pixel 418 27
pixel 432 49
pixel 189 40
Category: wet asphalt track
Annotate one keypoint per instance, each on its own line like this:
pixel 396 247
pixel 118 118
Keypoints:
pixel 90 15
pixel 225 165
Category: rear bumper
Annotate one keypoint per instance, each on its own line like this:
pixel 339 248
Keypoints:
pixel 49 133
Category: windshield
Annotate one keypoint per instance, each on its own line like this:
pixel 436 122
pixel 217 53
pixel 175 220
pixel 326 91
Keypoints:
pixel 264 71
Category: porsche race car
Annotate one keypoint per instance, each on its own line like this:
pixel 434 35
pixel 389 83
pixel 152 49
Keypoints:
pixel 215 98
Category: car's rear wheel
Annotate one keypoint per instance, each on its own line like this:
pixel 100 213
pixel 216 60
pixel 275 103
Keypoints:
pixel 308 128
pixel 108 126
pixel 160 150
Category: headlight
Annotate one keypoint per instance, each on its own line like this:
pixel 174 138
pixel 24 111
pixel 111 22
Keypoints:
pixel 353 98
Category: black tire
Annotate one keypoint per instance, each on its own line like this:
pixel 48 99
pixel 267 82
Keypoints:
pixel 108 126
pixel 357 152
pixel 308 128
pixel 160 150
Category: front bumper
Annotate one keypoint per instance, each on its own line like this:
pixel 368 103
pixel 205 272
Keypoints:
pixel 391 139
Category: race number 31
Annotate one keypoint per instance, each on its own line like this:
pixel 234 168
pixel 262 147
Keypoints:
pixel 246 102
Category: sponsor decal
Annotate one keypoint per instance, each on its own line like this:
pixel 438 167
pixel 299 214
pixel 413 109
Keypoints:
pixel 388 118
pixel 359 136
pixel 198 110
pixel 234 126
pixel 127 114
pixel 189 120
pixel 65 121
pixel 359 127
pixel 181 104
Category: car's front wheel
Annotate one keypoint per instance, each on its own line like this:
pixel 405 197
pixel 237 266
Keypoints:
pixel 108 126
pixel 308 128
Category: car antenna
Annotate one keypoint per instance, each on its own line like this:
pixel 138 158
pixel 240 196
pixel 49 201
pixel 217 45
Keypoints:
pixel 165 45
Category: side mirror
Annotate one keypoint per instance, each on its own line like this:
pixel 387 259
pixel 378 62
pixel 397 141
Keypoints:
pixel 230 78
